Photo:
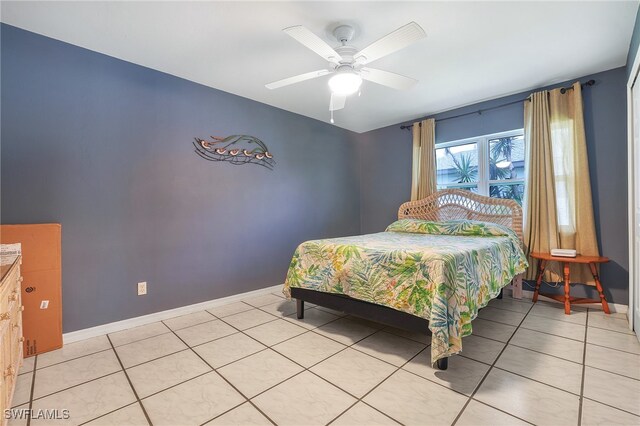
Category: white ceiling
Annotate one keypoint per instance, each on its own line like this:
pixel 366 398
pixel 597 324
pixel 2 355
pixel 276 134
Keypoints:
pixel 474 51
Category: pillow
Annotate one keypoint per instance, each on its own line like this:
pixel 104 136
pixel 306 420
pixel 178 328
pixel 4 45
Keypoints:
pixel 451 227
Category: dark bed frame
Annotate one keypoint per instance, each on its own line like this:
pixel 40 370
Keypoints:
pixel 365 310
pixel 442 205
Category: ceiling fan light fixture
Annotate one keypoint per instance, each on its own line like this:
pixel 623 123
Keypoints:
pixel 345 83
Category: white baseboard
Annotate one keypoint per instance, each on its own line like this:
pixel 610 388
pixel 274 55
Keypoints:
pixel 112 327
pixel 613 307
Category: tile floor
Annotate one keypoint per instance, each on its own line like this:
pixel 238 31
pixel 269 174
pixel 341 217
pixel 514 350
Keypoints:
pixel 253 362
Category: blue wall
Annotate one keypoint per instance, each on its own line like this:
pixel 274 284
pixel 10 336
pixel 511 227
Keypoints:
pixel 104 147
pixel 385 166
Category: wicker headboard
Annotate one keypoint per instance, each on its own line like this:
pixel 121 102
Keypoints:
pixel 448 204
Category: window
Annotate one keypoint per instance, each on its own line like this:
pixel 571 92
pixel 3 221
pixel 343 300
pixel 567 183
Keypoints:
pixel 491 165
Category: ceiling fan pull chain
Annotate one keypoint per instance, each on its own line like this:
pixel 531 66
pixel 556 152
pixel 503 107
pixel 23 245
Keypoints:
pixel 332 117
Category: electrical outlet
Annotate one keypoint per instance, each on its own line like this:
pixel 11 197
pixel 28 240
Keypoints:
pixel 142 288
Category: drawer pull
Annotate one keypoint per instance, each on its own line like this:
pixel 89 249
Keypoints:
pixel 9 371
pixel 21 339
pixel 5 316
pixel 20 279
pixel 21 308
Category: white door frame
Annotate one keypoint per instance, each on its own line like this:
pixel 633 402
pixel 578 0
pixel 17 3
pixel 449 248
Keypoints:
pixel 631 189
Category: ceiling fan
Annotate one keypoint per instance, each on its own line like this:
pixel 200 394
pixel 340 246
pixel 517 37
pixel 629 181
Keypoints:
pixel 347 63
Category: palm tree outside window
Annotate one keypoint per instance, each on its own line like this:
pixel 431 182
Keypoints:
pixel 492 165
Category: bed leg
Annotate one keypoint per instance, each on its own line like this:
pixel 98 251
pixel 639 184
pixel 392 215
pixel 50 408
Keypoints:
pixel 300 308
pixel 500 295
pixel 442 363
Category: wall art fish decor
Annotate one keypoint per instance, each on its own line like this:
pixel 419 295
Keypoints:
pixel 235 149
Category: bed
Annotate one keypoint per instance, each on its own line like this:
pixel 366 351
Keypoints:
pixel 431 271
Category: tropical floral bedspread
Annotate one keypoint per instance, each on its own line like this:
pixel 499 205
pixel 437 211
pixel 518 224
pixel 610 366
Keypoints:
pixel 441 271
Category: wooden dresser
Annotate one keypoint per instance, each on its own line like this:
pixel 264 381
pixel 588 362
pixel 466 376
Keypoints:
pixel 10 329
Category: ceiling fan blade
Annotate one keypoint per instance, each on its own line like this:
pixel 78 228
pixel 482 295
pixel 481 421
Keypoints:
pixel 313 42
pixel 337 102
pixel 399 39
pixel 297 79
pixel 386 78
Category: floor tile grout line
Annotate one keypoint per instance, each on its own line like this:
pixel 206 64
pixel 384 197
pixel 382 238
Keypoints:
pixel 225 379
pixel 615 349
pixel 243 357
pixel 249 307
pixel 611 372
pixel 233 408
pixel 566 321
pixel 144 411
pixel 324 359
pixel 33 386
pixel 551 334
pixel 175 385
pixel 537 381
pixel 74 359
pixel 213 340
pixel 110 412
pixel 377 330
pixel 213 369
pixel 584 360
pixel 138 340
pixel 502 411
pixel 155 359
pixel 496 367
pixel 76 385
pixel 434 382
pixel 289 338
pixel 320 377
pixel 612 406
pixel 488 338
pixel 253 326
pixel 492 320
pixel 213 318
pixel 545 353
pixel 398 368
pixel 361 399
pixel 273 347
pixel 389 329
pixel 479 385
pixel 187 346
pixel 562 321
pixel 628 333
pixel 293 337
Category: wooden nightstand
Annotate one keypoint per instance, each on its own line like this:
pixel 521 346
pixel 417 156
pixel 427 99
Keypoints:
pixel 544 258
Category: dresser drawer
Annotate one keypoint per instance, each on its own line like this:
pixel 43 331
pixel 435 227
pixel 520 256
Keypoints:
pixel 7 291
pixel 10 333
pixel 10 293
pixel 7 373
pixel 16 330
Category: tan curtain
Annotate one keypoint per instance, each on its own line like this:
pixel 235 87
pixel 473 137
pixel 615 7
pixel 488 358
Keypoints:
pixel 576 225
pixel 540 229
pixel 423 176
pixel 559 209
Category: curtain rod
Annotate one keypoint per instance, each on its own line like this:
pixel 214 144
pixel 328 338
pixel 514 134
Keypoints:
pixel 480 111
